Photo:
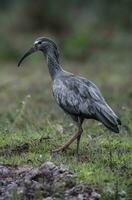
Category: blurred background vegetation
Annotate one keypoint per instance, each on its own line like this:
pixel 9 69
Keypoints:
pixel 95 37
pixel 81 27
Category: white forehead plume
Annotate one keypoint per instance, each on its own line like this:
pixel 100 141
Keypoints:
pixel 36 41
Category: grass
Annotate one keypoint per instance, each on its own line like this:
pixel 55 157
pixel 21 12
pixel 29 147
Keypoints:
pixel 32 124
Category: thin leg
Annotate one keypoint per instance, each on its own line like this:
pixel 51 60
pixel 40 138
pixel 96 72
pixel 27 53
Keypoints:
pixel 80 131
pixel 76 136
pixel 64 147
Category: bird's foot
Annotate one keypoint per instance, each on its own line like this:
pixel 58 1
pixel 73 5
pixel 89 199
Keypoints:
pixel 61 149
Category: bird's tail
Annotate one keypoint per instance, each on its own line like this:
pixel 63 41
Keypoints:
pixel 106 115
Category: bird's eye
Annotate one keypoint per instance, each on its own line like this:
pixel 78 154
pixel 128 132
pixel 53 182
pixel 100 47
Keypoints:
pixel 39 42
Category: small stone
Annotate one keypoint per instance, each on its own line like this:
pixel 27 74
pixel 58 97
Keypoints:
pixel 95 195
pixel 47 165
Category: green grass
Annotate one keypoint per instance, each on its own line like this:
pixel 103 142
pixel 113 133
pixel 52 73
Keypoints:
pixel 30 119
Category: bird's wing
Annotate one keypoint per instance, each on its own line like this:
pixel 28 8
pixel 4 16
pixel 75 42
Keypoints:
pixel 77 95
pixel 102 110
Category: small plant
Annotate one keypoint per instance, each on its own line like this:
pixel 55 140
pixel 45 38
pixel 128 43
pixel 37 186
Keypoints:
pixel 20 112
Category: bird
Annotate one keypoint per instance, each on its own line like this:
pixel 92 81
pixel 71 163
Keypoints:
pixel 78 97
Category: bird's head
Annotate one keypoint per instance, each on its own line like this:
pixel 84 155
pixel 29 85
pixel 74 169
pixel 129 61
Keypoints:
pixel 43 44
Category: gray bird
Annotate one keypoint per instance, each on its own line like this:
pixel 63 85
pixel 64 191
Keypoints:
pixel 77 96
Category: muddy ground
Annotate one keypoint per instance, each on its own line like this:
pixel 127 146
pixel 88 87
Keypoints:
pixel 45 182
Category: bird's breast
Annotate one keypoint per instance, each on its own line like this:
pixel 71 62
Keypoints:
pixel 59 89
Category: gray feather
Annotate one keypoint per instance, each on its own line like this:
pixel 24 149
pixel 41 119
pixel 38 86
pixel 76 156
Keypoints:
pixel 78 96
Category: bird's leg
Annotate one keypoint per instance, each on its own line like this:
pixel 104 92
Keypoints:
pixel 80 131
pixel 76 136
pixel 64 147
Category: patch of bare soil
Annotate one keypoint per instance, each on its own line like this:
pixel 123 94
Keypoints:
pixel 47 182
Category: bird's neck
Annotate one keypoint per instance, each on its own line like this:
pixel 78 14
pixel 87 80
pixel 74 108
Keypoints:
pixel 53 65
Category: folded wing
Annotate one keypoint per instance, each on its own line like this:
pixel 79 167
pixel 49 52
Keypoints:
pixel 78 96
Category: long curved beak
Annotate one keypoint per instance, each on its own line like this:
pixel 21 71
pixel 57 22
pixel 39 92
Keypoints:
pixel 30 51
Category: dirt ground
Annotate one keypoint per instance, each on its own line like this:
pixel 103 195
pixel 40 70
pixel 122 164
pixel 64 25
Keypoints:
pixel 45 182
